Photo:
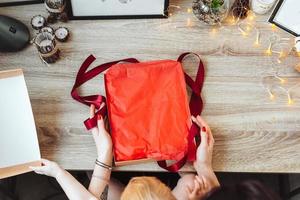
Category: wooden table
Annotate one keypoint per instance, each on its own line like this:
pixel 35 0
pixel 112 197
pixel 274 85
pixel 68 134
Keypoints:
pixel 252 133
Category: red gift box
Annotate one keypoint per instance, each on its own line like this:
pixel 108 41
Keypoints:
pixel 148 109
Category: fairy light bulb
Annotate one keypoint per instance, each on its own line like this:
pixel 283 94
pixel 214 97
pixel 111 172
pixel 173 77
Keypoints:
pixel 273 27
pixel 251 16
pixel 290 100
pixel 213 31
pixel 257 43
pixel 269 50
pixel 189 10
pixel 281 54
pixel 272 96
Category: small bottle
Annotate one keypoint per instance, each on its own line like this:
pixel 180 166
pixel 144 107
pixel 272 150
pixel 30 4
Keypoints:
pixel 262 6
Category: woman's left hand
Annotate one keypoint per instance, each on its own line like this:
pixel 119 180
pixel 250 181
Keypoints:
pixel 48 168
pixel 101 137
pixel 200 188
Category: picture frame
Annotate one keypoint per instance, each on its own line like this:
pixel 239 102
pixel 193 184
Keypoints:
pixel 125 9
pixel 5 3
pixel 285 15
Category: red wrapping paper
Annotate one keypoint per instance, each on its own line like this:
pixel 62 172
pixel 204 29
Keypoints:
pixel 148 110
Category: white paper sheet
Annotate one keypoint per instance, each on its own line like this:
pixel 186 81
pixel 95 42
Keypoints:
pixel 288 15
pixel 117 7
pixel 18 137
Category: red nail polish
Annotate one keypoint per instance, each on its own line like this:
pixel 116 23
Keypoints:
pixel 204 129
pixel 99 117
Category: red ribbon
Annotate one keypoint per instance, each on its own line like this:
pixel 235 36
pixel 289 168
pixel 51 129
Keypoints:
pixel 195 104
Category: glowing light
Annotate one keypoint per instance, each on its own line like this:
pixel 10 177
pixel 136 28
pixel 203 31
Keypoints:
pixel 290 100
pixel 272 96
pixel 268 52
pixel 213 31
pixel 189 10
pixel 244 34
pixel 282 55
pixel 251 17
pixel 274 27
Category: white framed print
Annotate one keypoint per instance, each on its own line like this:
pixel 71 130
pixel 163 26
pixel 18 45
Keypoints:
pixel 286 16
pixel 117 9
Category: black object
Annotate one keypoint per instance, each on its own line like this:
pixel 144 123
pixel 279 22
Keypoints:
pixel 14 35
pixel 71 15
pixel 17 3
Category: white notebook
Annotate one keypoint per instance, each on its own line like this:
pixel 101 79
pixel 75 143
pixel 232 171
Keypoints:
pixel 19 147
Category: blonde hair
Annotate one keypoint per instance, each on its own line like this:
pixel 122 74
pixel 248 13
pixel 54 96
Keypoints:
pixel 146 188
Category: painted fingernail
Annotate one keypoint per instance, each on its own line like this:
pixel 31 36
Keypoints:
pixel 99 117
pixel 204 129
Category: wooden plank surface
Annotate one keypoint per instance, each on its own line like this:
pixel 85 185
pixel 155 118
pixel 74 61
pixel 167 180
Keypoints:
pixel 253 134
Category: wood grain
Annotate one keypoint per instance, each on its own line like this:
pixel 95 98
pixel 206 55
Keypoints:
pixel 252 133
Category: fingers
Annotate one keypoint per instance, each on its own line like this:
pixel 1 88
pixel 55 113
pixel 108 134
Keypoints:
pixel 204 137
pixel 201 123
pixel 102 105
pixel 92 111
pixel 45 161
pixel 100 123
pixel 202 181
pixel 38 170
pixel 194 119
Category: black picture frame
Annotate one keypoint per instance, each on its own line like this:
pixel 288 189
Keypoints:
pixel 72 17
pixel 273 15
pixel 19 3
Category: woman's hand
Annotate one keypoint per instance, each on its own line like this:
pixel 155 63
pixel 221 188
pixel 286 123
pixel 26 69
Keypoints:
pixel 101 138
pixel 48 168
pixel 203 163
pixel 205 149
pixel 200 188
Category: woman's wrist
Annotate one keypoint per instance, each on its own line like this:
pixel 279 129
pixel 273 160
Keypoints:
pixel 59 173
pixel 105 157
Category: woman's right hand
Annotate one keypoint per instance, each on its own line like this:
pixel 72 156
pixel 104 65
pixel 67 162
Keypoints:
pixel 205 149
pixel 203 163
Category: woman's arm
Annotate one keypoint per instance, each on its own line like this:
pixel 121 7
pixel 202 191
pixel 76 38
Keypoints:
pixel 102 170
pixel 73 189
pixel 195 187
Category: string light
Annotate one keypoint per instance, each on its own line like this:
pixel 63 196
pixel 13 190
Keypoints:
pixel 246 27
pixel 272 96
pixel 290 100
pixel 189 10
pixel 273 27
